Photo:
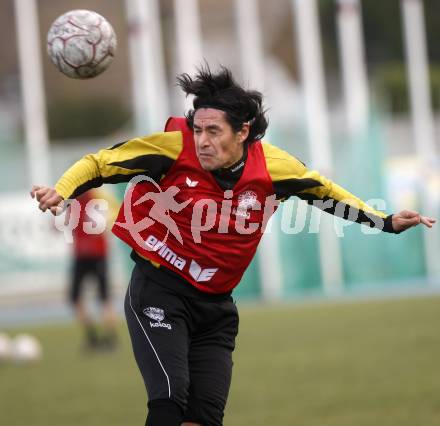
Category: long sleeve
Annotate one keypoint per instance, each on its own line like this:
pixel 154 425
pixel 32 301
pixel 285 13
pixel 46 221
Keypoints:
pixel 290 177
pixel 151 155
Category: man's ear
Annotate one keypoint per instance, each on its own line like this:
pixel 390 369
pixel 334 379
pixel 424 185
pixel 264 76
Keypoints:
pixel 244 132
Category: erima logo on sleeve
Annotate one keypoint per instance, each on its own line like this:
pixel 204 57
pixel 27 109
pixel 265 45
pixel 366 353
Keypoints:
pixel 200 274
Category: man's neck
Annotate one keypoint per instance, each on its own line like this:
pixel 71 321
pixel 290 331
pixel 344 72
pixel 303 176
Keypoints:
pixel 227 177
pixel 237 164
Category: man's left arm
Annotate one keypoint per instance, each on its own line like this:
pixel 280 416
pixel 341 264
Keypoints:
pixel 291 177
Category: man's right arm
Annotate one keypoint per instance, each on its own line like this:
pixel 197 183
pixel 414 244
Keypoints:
pixel 152 156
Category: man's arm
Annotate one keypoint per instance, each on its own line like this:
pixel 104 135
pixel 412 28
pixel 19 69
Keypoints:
pixel 291 177
pixel 152 156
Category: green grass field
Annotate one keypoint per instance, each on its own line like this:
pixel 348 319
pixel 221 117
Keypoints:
pixel 349 364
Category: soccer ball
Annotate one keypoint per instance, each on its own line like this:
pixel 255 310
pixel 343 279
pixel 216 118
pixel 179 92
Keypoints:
pixel 26 349
pixel 81 44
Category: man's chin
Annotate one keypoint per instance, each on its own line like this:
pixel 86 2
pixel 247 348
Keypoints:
pixel 208 168
pixel 207 165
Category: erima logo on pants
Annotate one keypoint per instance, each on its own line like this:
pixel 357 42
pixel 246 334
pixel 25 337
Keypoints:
pixel 158 315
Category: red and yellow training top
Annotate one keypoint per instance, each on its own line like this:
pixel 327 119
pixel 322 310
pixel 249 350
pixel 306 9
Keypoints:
pixel 205 226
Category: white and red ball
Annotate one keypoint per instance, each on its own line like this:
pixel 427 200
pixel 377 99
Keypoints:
pixel 26 349
pixel 81 44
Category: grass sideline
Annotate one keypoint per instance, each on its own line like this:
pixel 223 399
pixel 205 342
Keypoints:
pixel 348 364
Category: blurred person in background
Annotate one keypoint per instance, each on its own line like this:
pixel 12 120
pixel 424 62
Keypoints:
pixel 180 313
pixel 90 254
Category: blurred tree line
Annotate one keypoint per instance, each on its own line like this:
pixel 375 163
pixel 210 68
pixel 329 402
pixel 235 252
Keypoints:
pixel 384 48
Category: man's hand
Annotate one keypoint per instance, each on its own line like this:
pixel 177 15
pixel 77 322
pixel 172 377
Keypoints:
pixel 48 198
pixel 407 219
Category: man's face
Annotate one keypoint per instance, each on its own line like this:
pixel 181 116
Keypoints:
pixel 217 145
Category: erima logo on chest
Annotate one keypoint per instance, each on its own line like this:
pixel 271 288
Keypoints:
pixel 191 183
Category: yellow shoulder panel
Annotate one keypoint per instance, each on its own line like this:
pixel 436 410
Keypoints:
pixel 281 165
pixel 168 144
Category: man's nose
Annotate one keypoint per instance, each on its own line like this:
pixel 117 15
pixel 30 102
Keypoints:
pixel 203 139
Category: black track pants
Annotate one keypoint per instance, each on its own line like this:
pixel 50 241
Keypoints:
pixel 183 342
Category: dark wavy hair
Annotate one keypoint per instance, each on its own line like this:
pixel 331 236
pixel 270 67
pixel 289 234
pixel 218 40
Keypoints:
pixel 220 91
